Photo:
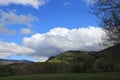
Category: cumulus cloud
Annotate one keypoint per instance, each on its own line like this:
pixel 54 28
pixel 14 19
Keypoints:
pixel 26 31
pixel 34 3
pixel 12 18
pixel 8 49
pixel 58 40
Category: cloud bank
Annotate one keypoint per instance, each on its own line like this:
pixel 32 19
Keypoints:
pixel 34 3
pixel 58 40
pixel 8 49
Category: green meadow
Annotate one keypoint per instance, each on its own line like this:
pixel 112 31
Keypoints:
pixel 66 76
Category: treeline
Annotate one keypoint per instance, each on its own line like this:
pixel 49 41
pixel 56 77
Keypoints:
pixel 101 65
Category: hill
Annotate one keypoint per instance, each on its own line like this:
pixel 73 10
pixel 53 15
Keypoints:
pixel 107 60
pixel 112 53
pixel 71 57
pixel 4 62
pixel 101 61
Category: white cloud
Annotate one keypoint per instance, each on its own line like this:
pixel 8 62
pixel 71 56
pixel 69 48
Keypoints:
pixel 67 3
pixel 8 49
pixel 58 40
pixel 34 3
pixel 26 31
pixel 4 30
pixel 4 55
pixel 94 1
pixel 40 58
pixel 11 17
pixel 90 1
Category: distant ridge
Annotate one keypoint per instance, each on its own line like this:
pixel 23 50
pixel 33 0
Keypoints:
pixel 4 62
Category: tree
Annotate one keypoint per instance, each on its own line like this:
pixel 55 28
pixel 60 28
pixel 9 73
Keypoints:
pixel 108 11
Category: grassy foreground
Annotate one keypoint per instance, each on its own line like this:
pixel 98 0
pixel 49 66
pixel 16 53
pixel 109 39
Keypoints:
pixel 66 76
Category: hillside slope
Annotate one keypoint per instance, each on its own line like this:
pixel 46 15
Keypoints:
pixel 111 53
pixel 101 61
pixel 109 57
pixel 71 57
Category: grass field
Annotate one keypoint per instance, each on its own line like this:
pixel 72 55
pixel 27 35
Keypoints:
pixel 67 76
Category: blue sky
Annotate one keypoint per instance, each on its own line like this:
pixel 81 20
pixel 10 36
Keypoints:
pixel 34 29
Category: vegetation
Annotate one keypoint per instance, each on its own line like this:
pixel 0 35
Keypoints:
pixel 71 56
pixel 108 11
pixel 67 76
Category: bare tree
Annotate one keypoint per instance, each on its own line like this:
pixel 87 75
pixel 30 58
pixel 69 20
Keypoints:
pixel 108 11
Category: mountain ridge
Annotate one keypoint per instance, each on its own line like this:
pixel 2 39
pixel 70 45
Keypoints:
pixel 4 62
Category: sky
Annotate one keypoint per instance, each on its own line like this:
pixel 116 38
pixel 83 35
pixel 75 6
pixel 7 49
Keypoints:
pixel 38 29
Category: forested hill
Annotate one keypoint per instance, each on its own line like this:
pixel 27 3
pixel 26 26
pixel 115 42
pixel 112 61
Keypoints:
pixel 111 53
pixel 71 57
pixel 107 60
